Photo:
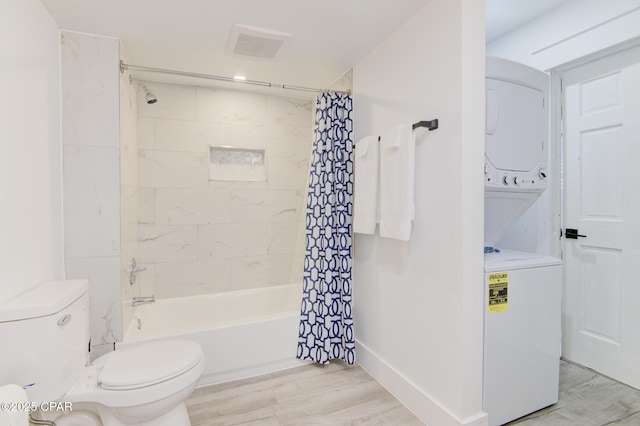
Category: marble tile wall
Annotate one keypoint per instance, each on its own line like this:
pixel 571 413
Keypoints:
pixel 91 175
pixel 128 188
pixel 198 235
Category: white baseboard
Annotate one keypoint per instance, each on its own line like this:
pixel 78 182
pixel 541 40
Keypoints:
pixel 421 404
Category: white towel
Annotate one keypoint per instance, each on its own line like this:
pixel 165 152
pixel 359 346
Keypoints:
pixel 365 192
pixel 397 175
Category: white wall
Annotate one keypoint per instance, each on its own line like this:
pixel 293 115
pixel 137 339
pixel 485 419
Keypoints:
pixel 91 140
pixel 198 235
pixel 571 31
pixel 418 305
pixel 31 248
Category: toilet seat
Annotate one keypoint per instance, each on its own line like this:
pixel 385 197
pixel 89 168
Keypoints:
pixel 161 381
pixel 148 364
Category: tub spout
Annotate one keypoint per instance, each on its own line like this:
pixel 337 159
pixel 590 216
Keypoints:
pixel 141 300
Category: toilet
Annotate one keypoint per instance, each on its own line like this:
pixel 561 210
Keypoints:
pixel 46 335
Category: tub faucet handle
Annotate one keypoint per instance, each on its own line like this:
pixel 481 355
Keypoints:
pixel 133 271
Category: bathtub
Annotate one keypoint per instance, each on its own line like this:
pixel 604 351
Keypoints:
pixel 243 333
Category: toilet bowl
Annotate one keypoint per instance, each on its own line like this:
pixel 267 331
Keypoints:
pixel 145 384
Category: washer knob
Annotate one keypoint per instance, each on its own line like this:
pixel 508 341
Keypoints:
pixel 504 180
pixel 515 180
pixel 542 174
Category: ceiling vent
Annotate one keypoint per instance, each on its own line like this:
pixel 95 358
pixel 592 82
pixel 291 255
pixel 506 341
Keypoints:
pixel 256 42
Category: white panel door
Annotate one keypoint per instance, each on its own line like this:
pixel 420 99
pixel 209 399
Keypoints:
pixel 601 300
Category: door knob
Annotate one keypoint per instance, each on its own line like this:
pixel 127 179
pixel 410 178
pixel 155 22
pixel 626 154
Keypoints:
pixel 572 234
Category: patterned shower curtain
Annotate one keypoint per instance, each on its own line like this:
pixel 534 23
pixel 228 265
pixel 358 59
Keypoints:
pixel 326 321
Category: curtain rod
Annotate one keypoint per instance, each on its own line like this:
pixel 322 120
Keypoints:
pixel 124 67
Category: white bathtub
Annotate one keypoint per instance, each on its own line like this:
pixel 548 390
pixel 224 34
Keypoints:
pixel 243 333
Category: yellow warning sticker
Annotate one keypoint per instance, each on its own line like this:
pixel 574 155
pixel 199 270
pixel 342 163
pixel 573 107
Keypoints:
pixel 498 292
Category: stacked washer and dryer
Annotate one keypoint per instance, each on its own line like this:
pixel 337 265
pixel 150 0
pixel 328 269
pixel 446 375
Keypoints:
pixel 522 330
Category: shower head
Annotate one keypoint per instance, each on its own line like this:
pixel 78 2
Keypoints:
pixel 149 96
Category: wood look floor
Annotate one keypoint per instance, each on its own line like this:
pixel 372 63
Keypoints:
pixel 587 399
pixel 334 395
pixel 339 395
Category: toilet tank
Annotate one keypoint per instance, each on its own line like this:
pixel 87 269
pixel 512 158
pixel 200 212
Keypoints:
pixel 45 337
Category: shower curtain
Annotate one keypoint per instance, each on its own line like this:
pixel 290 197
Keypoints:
pixel 326 321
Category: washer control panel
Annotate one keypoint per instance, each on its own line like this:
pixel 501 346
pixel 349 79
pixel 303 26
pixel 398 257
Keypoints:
pixel 497 180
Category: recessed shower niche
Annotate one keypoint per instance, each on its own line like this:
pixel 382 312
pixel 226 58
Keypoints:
pixel 238 164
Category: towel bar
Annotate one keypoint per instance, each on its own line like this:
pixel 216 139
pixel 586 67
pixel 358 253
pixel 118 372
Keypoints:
pixel 431 125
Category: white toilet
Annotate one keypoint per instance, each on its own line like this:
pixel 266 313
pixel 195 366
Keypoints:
pixel 46 335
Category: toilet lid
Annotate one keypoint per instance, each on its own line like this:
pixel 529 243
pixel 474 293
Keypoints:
pixel 148 364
